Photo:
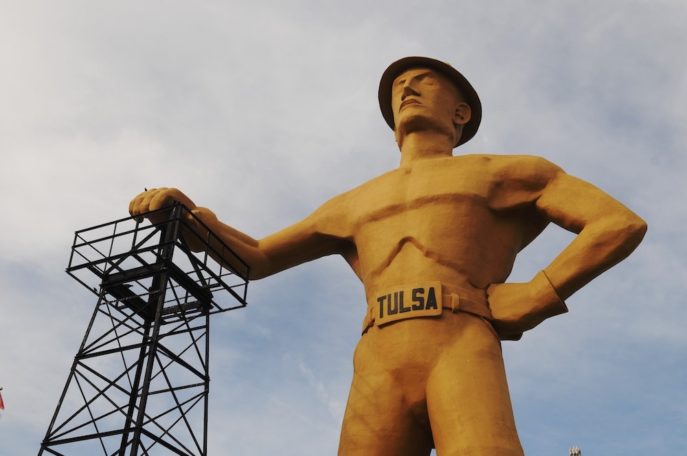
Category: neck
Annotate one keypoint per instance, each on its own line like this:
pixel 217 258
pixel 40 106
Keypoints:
pixel 422 145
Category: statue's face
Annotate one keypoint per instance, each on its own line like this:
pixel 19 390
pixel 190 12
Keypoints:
pixel 422 98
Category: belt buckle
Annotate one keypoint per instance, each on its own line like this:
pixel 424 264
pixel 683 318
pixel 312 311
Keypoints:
pixel 410 301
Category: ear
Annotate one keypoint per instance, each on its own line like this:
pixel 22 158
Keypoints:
pixel 462 114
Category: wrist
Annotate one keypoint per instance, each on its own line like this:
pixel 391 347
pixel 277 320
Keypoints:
pixel 544 292
pixel 198 221
pixel 203 214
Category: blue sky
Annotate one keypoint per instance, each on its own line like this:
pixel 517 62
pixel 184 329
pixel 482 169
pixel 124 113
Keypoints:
pixel 262 111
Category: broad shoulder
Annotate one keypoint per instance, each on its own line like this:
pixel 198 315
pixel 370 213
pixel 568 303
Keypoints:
pixel 516 180
pixel 508 179
pixel 517 166
pixel 375 186
pixel 503 166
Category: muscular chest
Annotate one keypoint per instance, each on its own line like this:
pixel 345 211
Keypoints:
pixel 432 193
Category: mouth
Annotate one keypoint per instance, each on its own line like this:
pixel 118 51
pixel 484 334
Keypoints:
pixel 408 102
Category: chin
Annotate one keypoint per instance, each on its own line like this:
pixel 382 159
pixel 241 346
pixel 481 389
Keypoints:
pixel 414 122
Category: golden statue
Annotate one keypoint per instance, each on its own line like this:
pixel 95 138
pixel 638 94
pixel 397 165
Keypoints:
pixel 433 242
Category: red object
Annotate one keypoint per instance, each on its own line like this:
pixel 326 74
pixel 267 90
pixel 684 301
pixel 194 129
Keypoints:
pixel 2 404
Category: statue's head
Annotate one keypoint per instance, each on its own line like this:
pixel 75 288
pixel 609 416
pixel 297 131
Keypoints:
pixel 424 93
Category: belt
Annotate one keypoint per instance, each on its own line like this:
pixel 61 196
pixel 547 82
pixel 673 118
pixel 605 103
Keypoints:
pixel 419 297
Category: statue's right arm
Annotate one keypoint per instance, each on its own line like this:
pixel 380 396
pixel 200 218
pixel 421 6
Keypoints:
pixel 313 237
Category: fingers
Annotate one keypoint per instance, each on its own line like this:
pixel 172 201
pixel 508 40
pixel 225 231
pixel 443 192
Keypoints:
pixel 133 204
pixel 157 198
pixel 150 200
pixel 490 289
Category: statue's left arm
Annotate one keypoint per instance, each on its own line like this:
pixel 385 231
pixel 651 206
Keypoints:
pixel 607 232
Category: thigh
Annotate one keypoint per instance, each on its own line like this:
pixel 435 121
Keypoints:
pixel 467 397
pixel 379 421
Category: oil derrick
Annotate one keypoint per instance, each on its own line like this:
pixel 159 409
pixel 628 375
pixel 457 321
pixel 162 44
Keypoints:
pixel 139 383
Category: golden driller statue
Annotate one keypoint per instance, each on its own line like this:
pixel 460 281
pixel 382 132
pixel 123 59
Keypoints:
pixel 433 242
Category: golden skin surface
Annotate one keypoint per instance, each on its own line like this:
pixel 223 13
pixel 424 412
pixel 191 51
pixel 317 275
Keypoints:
pixel 439 382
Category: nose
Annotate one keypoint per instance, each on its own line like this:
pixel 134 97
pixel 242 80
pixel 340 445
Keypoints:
pixel 409 89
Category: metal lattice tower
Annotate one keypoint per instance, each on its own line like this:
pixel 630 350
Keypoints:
pixel 139 383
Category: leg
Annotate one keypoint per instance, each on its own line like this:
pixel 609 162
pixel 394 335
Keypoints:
pixel 467 397
pixel 382 417
pixel 378 422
